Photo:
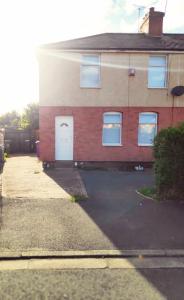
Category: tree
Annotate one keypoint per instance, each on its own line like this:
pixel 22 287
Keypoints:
pixel 30 116
pixel 10 119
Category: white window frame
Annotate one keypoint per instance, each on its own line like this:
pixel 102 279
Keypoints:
pixel 113 144
pixel 156 125
pixel 89 65
pixel 166 72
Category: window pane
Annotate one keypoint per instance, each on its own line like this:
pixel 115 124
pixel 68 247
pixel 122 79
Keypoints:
pixel 146 135
pixel 90 76
pixel 157 61
pixel 147 118
pixel 111 134
pixel 156 77
pixel 112 118
pixel 90 59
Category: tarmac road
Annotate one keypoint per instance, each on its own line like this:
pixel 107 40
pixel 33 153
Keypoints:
pixel 97 284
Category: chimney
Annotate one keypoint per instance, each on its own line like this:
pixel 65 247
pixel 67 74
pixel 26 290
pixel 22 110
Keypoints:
pixel 153 23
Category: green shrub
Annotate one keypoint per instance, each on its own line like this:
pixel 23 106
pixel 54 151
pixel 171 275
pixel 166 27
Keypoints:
pixel 169 163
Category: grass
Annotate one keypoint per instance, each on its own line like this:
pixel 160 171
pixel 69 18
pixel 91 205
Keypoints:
pixel 148 192
pixel 5 156
pixel 77 198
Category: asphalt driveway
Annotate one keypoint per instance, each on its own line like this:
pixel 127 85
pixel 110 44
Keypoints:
pixel 114 216
pixel 126 218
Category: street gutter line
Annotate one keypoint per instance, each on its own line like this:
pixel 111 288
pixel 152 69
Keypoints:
pixel 40 253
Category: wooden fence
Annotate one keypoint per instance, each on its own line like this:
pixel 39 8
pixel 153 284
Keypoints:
pixel 20 140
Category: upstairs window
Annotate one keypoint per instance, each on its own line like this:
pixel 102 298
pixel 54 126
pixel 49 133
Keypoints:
pixel 90 71
pixel 147 128
pixel 112 123
pixel 157 72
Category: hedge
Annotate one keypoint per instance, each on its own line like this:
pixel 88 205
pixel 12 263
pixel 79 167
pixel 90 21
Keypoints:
pixel 169 163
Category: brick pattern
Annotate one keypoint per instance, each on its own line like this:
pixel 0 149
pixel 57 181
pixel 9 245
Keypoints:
pixel 88 132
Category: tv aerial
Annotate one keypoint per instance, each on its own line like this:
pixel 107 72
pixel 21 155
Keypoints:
pixel 139 8
pixel 142 7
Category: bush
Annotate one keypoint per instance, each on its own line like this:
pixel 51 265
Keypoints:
pixel 169 163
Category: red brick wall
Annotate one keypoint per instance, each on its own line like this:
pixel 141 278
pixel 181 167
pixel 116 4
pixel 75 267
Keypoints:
pixel 88 132
pixel 155 22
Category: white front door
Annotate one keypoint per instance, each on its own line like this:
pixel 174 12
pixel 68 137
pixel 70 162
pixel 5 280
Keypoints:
pixel 64 138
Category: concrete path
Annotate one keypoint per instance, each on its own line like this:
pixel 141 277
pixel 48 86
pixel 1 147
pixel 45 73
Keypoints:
pixel 23 177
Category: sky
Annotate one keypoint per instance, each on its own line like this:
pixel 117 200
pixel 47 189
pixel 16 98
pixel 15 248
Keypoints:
pixel 25 24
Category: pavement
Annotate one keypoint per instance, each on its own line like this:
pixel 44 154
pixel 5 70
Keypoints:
pixel 37 219
pixel 37 213
pixel 114 245
pixel 44 281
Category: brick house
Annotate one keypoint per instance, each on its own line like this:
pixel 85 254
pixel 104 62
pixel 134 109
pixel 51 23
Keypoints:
pixel 104 97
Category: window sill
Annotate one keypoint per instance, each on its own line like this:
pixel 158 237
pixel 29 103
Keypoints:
pixel 90 87
pixel 145 145
pixel 157 88
pixel 112 145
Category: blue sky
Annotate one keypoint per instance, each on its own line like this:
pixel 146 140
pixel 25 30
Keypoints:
pixel 26 23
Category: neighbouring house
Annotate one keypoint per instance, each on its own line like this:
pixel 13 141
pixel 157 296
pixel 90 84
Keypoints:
pixel 104 97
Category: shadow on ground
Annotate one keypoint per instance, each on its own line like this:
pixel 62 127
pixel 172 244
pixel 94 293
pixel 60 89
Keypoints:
pixel 132 222
pixel 114 217
pixel 129 220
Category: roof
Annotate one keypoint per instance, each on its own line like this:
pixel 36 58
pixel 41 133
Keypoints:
pixel 122 41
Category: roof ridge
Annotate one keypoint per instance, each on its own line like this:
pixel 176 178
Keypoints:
pixel 84 37
pixel 121 40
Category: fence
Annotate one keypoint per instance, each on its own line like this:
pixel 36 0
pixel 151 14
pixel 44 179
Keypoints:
pixel 19 140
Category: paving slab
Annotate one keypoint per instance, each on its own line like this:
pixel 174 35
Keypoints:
pixel 23 177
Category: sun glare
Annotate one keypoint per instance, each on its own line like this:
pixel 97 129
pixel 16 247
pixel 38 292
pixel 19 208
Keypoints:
pixel 23 26
pixel 26 24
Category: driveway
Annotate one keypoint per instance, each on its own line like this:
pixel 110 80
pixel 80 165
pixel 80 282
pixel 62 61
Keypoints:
pixel 37 215
pixel 126 218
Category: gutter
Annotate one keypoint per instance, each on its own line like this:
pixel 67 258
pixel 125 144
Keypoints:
pixel 110 51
